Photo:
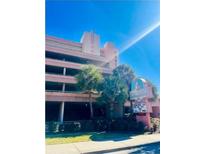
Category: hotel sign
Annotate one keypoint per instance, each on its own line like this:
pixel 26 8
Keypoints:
pixel 136 94
pixel 138 90
pixel 139 108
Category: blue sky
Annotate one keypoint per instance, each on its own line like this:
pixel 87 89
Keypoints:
pixel 116 21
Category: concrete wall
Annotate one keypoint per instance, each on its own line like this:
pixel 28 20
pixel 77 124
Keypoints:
pixel 155 112
pixel 145 119
pixel 60 78
pixel 90 43
pixel 68 97
pixel 110 53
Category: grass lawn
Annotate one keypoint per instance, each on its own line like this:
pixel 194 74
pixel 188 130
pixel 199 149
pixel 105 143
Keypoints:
pixel 83 137
pixel 68 138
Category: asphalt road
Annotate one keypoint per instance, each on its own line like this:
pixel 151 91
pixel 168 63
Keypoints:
pixel 144 149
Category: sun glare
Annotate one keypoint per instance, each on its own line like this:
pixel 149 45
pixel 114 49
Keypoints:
pixel 137 38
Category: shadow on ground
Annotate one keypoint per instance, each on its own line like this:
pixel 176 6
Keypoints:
pixel 150 148
pixel 153 148
pixel 96 136
pixel 112 136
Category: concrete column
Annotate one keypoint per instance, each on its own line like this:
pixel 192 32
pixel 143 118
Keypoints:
pixel 148 121
pixel 61 115
pixel 63 89
pixel 64 73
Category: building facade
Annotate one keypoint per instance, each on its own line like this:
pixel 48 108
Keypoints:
pixel 145 105
pixel 64 59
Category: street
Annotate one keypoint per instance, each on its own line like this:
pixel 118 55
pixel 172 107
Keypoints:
pixel 153 148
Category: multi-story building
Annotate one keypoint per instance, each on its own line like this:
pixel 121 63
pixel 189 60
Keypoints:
pixel 64 59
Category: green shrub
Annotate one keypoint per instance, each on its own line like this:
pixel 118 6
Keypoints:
pixel 132 125
pixel 140 127
pixel 52 127
pixel 155 124
pixel 87 125
pixel 72 126
pixel 96 125
pixel 100 125
pixel 119 125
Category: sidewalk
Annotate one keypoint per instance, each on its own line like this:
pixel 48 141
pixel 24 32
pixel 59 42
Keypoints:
pixel 101 146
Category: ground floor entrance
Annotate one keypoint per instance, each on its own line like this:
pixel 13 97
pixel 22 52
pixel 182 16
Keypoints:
pixel 68 111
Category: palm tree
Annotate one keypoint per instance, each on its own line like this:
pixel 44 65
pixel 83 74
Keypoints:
pixel 113 92
pixel 127 75
pixel 88 80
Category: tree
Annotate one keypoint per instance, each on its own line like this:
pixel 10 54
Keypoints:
pixel 154 91
pixel 88 80
pixel 113 91
pixel 126 74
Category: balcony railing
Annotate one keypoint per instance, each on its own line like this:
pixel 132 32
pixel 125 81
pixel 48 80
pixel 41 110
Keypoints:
pixel 73 65
pixel 60 78
pixel 75 53
pixel 69 97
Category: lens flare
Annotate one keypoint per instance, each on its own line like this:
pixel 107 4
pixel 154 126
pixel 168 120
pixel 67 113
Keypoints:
pixel 136 39
pixel 140 36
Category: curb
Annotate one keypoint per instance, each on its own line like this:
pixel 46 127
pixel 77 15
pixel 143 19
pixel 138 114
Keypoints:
pixel 120 149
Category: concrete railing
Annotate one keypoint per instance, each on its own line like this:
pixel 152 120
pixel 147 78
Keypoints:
pixel 69 97
pixel 61 78
pixel 72 65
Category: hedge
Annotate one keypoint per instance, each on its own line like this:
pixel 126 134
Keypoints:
pixel 95 125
